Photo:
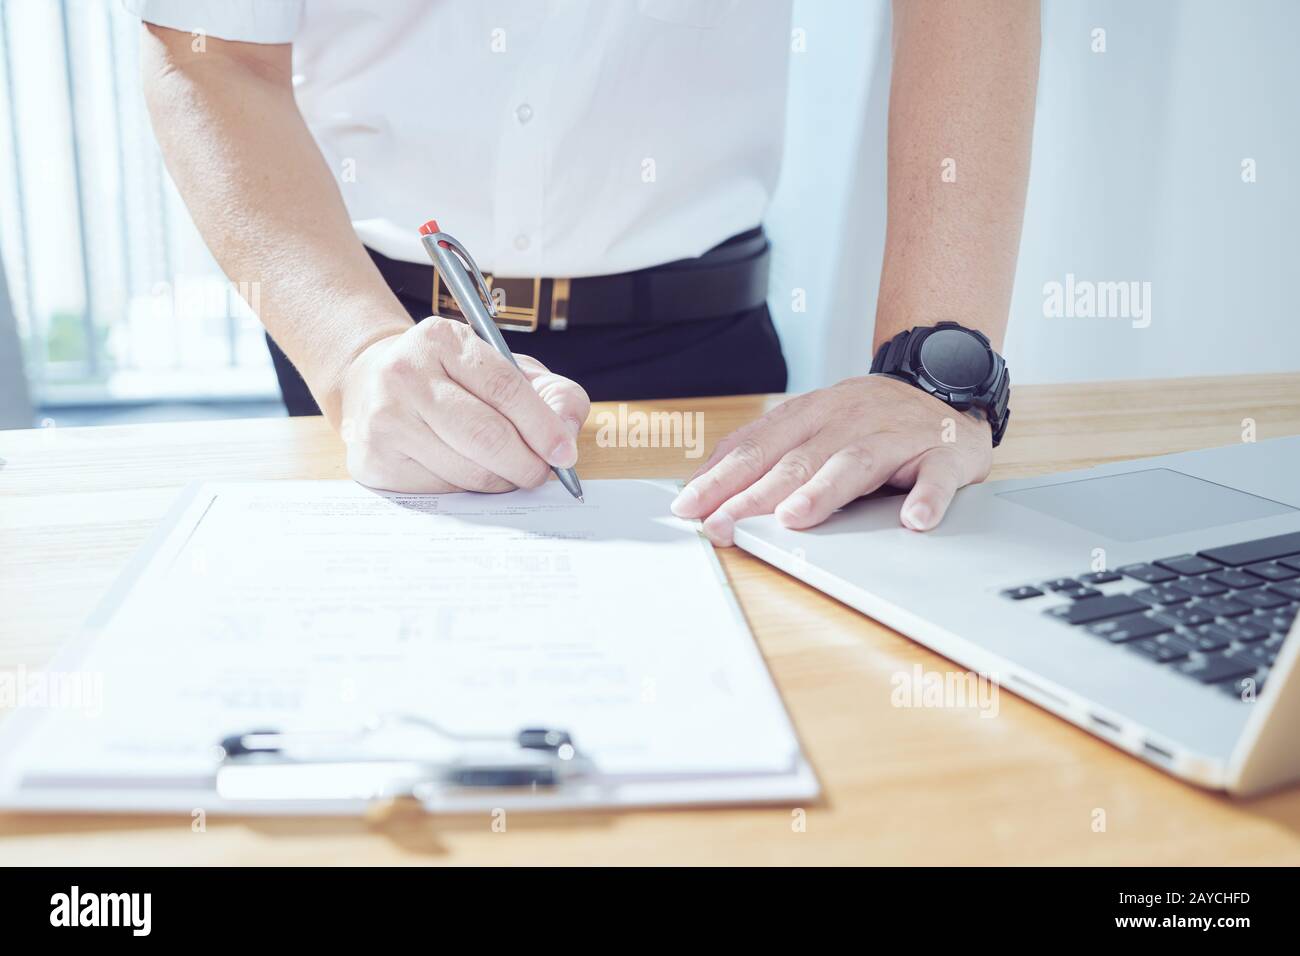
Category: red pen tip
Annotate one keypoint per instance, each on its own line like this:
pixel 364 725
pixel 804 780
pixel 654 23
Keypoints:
pixel 429 228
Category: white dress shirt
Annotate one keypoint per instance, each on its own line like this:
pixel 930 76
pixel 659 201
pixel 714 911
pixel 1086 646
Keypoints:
pixel 552 137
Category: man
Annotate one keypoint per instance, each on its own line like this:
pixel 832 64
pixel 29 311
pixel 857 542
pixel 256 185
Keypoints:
pixel 624 150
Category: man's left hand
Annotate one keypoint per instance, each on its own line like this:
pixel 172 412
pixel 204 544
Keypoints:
pixel 817 452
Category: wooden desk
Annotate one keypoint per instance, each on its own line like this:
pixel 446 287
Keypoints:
pixel 902 786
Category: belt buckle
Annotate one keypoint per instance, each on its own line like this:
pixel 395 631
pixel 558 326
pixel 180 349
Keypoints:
pixel 518 302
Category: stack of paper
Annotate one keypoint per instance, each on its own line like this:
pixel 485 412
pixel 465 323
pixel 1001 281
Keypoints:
pixel 316 606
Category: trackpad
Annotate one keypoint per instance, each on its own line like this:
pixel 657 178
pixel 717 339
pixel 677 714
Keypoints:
pixel 1145 504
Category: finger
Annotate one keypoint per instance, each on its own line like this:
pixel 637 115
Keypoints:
pixel 795 469
pixel 566 397
pixel 938 476
pixel 848 474
pixel 392 471
pixel 791 407
pixel 418 441
pixel 726 446
pixel 479 432
pixel 745 463
pixel 484 372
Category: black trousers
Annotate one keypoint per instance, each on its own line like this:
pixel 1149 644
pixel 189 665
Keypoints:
pixel 730 355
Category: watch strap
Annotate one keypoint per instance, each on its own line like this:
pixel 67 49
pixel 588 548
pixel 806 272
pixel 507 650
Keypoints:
pixel 897 358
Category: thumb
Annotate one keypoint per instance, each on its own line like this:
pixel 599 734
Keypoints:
pixel 566 397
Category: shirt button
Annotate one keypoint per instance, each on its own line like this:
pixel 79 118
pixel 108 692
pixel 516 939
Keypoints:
pixel 521 242
pixel 523 113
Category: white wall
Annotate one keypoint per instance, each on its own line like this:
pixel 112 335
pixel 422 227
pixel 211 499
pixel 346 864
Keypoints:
pixel 1136 177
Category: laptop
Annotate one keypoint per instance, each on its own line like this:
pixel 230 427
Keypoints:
pixel 1148 602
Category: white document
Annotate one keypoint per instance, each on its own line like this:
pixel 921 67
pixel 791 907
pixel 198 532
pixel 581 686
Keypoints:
pixel 309 606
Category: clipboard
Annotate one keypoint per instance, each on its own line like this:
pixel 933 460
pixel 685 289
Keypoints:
pixel 344 767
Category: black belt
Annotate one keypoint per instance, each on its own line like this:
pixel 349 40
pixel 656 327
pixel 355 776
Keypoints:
pixel 729 278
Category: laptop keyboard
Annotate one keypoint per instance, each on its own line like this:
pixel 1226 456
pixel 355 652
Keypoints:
pixel 1218 617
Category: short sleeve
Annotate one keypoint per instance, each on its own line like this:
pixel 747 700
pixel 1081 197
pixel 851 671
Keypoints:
pixel 246 21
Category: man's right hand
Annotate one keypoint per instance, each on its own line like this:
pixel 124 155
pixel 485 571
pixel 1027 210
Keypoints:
pixel 436 409
pixel 423 408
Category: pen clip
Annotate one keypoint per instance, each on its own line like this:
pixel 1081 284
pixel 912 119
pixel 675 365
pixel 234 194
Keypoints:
pixel 470 266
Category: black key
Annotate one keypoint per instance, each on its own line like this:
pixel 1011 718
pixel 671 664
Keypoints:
pixel 1211 637
pixel 1187 615
pixel 1261 549
pixel 1214 668
pixel 1290 590
pixel 1235 579
pixel 1096 609
pixel 1292 563
pixel 1148 573
pixel 1223 607
pixel 1198 587
pixel 1272 572
pixel 1245 632
pixel 1163 649
pixel 1129 628
pixel 1261 600
pixel 1160 594
pixel 1079 593
pixel 1100 577
pixel 1020 593
pixel 1263 654
pixel 1189 564
pixel 1061 584
pixel 1245 689
pixel 1279 621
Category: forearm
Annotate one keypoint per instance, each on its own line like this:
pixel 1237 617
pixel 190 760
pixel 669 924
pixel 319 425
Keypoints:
pixel 960 123
pixel 265 202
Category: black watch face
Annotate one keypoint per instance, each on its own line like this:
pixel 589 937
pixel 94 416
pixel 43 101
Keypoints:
pixel 955 359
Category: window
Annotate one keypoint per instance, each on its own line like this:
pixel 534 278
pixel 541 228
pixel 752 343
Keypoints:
pixel 116 298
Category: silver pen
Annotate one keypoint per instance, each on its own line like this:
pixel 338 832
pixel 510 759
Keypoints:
pixel 456 265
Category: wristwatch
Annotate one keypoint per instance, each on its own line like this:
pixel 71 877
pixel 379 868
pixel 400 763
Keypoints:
pixel 954 364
